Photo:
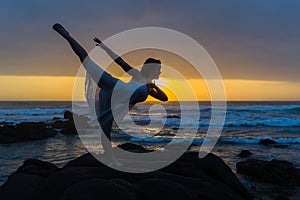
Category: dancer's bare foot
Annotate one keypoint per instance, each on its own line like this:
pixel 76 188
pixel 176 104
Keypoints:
pixel 97 40
pixel 60 29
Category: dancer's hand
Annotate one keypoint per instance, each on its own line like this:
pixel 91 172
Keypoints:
pixel 152 85
pixel 97 41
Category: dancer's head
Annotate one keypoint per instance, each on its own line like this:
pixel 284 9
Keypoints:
pixel 151 69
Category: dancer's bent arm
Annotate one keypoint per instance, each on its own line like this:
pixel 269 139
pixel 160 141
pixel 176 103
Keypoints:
pixel 156 92
pixel 125 66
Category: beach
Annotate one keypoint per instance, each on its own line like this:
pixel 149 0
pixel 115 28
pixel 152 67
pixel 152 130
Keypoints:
pixel 268 130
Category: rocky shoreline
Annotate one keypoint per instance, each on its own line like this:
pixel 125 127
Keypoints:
pixel 86 178
pixel 187 178
pixel 28 131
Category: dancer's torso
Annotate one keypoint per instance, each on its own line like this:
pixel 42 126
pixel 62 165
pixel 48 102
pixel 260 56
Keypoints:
pixel 115 102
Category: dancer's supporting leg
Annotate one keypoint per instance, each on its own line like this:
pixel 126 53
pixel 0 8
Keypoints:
pixel 106 81
pixel 106 141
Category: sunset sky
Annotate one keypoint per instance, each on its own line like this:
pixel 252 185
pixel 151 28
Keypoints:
pixel 255 44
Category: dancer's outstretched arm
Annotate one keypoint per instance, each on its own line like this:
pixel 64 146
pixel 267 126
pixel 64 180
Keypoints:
pixel 124 65
pixel 156 92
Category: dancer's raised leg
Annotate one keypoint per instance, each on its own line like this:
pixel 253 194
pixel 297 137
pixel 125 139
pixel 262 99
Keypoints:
pixel 106 81
pixel 77 48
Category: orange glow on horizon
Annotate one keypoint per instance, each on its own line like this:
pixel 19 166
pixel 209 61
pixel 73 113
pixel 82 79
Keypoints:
pixel 43 88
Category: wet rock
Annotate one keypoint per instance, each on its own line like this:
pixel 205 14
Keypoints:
pixel 67 125
pixel 172 116
pixel 5 123
pixel 59 124
pixel 68 115
pixel 267 141
pixel 244 153
pixel 56 118
pixel 133 148
pixel 25 131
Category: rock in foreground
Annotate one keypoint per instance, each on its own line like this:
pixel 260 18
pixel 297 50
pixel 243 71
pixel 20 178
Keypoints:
pixel 86 178
pixel 275 171
pixel 276 178
pixel 28 131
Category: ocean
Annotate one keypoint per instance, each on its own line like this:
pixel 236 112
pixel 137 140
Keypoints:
pixel 245 125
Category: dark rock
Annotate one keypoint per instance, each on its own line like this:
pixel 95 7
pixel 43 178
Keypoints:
pixel 282 192
pixel 275 171
pixel 26 180
pixel 244 153
pixel 133 148
pixel 94 189
pixel 59 124
pixel 267 141
pixel 87 160
pixel 156 188
pixel 55 185
pixel 142 122
pixel 86 178
pixel 37 167
pixel 210 170
pixel 6 123
pixel 67 125
pixel 71 130
pixel 56 118
pixel 68 115
pixel 126 185
pixel 172 116
pixel 25 131
pixel 216 168
pixel 20 186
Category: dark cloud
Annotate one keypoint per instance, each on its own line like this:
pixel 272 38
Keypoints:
pixel 247 39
